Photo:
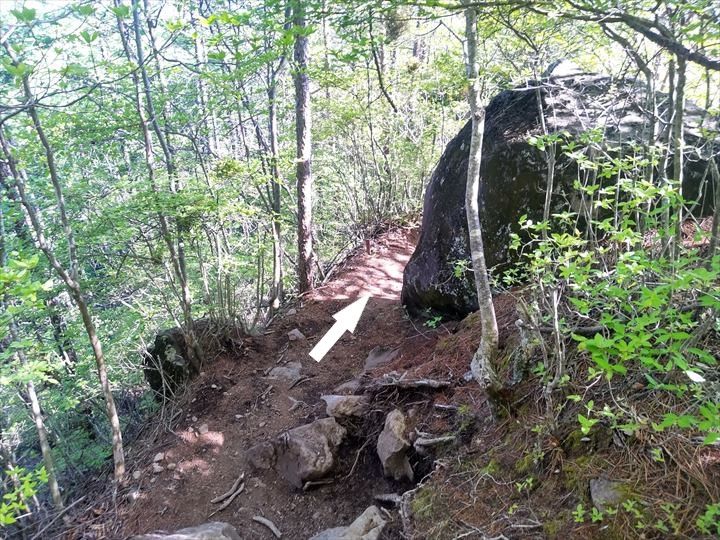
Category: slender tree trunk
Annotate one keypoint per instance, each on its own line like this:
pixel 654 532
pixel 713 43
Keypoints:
pixel 45 449
pixel 303 123
pixel 482 362
pixel 276 287
pixel 678 138
pixel 68 277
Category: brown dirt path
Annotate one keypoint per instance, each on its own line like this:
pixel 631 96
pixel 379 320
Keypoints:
pixel 240 408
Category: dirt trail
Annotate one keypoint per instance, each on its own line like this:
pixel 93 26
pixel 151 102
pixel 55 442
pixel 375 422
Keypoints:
pixel 240 407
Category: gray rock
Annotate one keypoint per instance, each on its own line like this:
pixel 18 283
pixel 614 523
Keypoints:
pixel 157 468
pixel 368 526
pixel 341 406
pixel 380 356
pixel 295 335
pixel 308 452
pixel 261 456
pixel 208 531
pixel 292 311
pixel 289 372
pixel 392 447
pixel 203 429
pixel 514 175
pixel 350 387
pixel 605 493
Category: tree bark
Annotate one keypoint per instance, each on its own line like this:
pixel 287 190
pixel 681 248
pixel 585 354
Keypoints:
pixel 303 125
pixel 482 361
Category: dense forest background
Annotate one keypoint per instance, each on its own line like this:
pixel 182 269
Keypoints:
pixel 166 162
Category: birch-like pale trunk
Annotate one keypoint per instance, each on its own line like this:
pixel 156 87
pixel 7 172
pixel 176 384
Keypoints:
pixel 482 361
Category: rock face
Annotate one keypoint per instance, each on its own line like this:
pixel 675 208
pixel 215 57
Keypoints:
pixel 308 452
pixel 209 531
pixel 514 176
pixel 392 447
pixel 368 526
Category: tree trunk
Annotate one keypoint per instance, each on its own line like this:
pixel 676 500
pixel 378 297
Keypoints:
pixel 483 359
pixel 70 281
pixel 303 123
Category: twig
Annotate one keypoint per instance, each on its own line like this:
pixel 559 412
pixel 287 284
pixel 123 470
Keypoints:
pixel 357 457
pixel 269 524
pixel 229 501
pixel 230 491
pixel 53 520
pixel 313 483
pixel 299 381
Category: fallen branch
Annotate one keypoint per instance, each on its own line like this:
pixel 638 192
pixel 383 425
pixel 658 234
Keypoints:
pixel 269 524
pixel 390 498
pixel 230 491
pixel 423 441
pixel 229 501
pixel 404 384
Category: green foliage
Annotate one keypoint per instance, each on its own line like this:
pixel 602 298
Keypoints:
pixel 25 486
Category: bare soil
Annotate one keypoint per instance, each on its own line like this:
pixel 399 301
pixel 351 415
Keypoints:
pixel 241 407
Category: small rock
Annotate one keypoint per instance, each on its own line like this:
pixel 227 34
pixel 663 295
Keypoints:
pixel 157 468
pixel 295 335
pixel 261 456
pixel 159 457
pixel 392 447
pixel 177 476
pixel 171 466
pixel 605 493
pixel 340 406
pixel 208 531
pixel 308 452
pixel 213 386
pixel 468 377
pixel 152 480
pixel 262 424
pixel 289 372
pixel 292 311
pixel 194 419
pixel 368 526
pixel 238 416
pixel 136 475
pixel 380 356
pixel 203 429
pixel 349 387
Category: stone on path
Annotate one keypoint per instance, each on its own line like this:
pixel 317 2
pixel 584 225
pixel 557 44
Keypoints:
pixel 308 452
pixel 368 526
pixel 295 335
pixel 380 356
pixel 392 447
pixel 288 373
pixel 342 406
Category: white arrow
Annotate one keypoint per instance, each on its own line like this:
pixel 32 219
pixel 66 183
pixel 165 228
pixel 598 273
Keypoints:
pixel 347 319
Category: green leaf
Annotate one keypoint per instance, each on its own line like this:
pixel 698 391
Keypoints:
pixel 121 12
pixel 25 15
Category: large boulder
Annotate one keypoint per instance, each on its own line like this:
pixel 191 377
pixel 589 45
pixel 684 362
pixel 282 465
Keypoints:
pixel 514 174
pixel 209 531
pixel 308 452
